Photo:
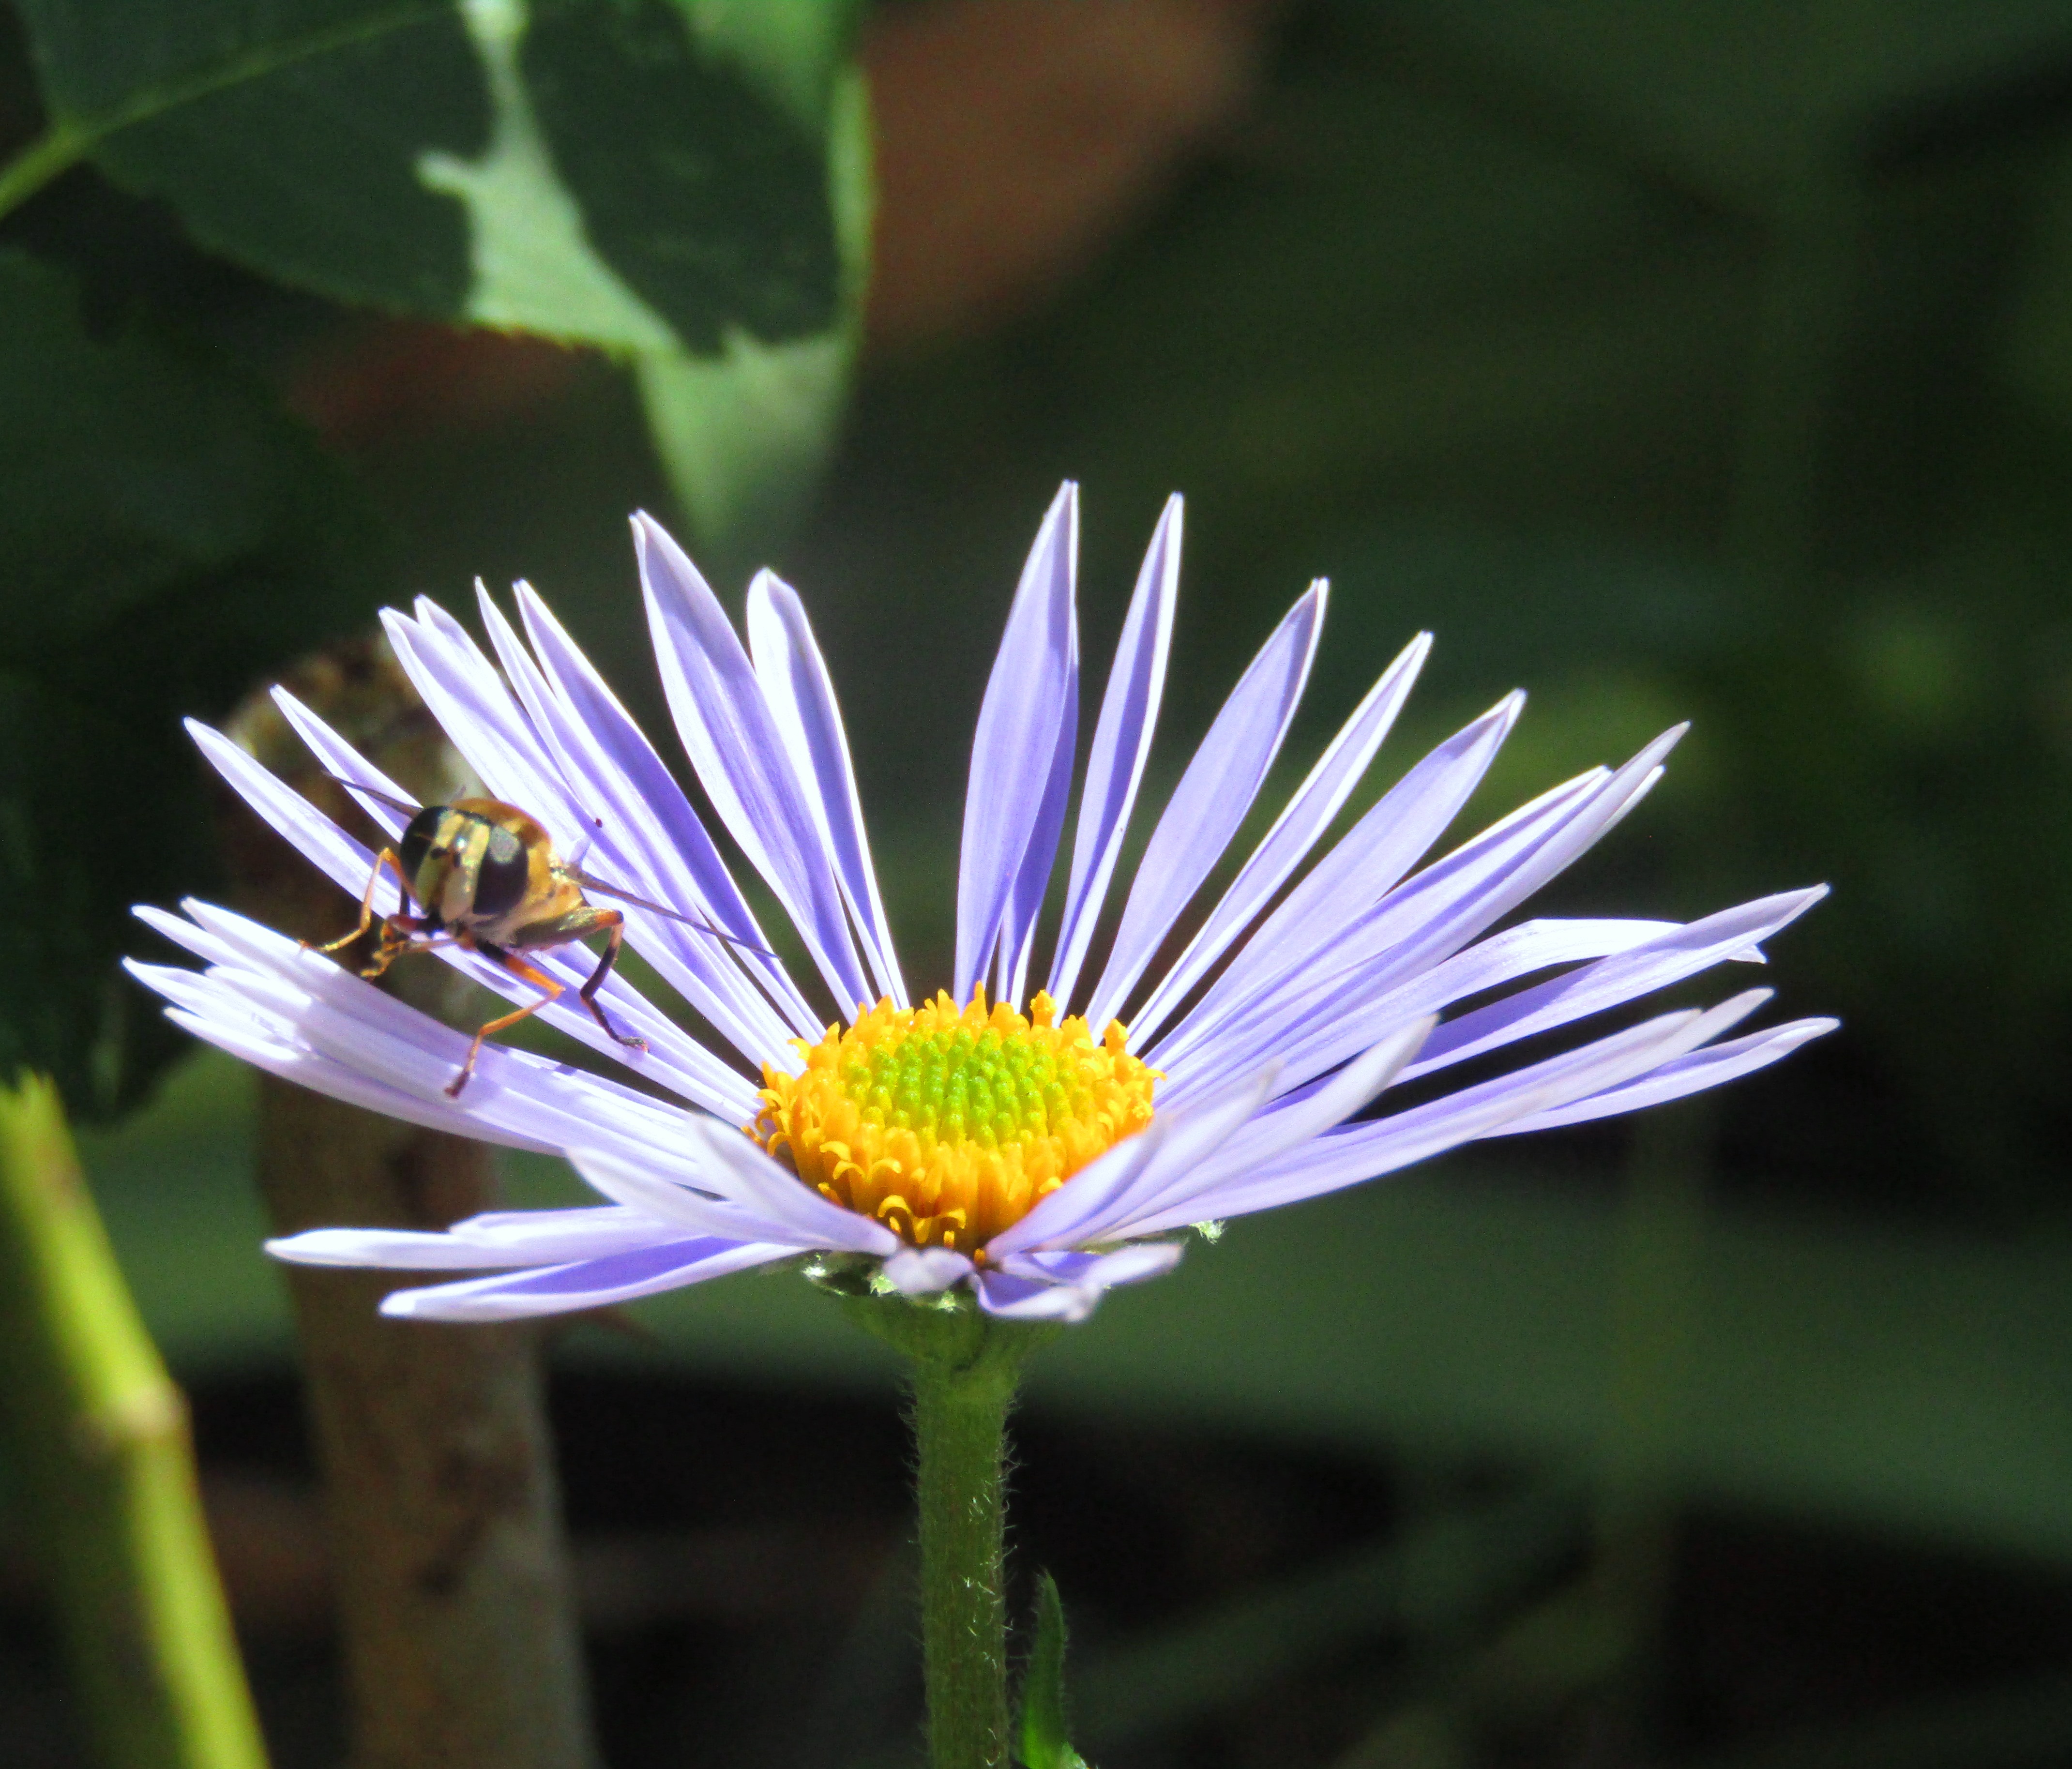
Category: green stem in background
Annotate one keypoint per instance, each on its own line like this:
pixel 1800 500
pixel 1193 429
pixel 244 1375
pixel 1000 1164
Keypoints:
pixel 54 152
pixel 963 1369
pixel 97 1438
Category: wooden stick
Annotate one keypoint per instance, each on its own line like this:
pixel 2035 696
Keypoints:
pixel 455 1593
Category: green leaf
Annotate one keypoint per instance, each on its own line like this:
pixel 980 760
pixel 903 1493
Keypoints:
pixel 582 168
pixel 1043 1743
pixel 709 200
pixel 682 184
pixel 743 435
pixel 288 135
pixel 169 536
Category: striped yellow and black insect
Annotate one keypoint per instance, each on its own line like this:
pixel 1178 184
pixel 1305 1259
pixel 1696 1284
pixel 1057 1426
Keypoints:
pixel 486 876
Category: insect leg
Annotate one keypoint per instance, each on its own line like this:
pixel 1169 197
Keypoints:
pixel 613 925
pixel 387 857
pixel 398 935
pixel 517 966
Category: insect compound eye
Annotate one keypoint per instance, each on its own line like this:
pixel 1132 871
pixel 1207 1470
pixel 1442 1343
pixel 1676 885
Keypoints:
pixel 417 843
pixel 499 884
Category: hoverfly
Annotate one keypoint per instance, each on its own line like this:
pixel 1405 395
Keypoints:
pixel 486 877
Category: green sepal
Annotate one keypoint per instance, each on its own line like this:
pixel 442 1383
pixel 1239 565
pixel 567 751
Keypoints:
pixel 947 1334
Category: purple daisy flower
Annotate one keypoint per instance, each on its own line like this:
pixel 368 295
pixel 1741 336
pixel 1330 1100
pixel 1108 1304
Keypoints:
pixel 1038 1154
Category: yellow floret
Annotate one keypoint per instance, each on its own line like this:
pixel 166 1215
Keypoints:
pixel 947 1124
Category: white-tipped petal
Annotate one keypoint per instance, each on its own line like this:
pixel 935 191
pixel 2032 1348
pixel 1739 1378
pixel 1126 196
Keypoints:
pixel 926 1271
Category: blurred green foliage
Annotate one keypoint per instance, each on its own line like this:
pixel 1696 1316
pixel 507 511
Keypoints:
pixel 1712 361
pixel 168 531
pixel 1744 396
pixel 682 188
pixel 1723 395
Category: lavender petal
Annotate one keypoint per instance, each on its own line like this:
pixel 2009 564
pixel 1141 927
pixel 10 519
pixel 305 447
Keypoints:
pixel 711 1158
pixel 1121 745
pixel 1324 1028
pixel 1097 1202
pixel 546 1237
pixel 1284 846
pixel 593 1283
pixel 1687 1075
pixel 1448 904
pixel 1361 868
pixel 926 1271
pixel 1366 1150
pixel 1014 751
pixel 741 760
pixel 624 849
pixel 640 1187
pixel 1287 1125
pixel 250 1044
pixel 476 710
pixel 801 697
pixel 1354 963
pixel 1032 881
pixel 263 992
pixel 1212 798
pixel 683 848
pixel 1609 982
pixel 1010 1298
pixel 1095 1271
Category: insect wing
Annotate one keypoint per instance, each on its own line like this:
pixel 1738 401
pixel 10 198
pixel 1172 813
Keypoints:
pixel 590 883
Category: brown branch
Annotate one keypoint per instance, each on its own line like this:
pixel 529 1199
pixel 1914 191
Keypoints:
pixel 451 1567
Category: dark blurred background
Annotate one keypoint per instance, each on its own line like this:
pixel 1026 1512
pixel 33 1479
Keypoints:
pixel 1712 361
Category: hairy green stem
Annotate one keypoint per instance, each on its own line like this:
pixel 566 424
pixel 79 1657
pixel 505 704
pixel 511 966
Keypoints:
pixel 963 1369
pixel 960 1433
pixel 98 1438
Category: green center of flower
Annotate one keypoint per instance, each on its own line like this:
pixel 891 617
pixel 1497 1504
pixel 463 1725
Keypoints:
pixel 989 1088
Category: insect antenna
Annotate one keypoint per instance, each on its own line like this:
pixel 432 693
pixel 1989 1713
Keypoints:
pixel 389 799
pixel 590 883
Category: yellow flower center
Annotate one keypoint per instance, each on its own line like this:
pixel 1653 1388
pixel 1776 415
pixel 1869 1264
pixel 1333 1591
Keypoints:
pixel 947 1124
